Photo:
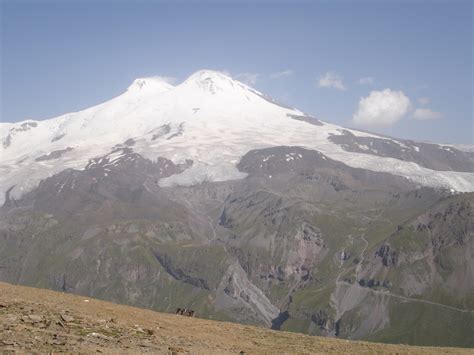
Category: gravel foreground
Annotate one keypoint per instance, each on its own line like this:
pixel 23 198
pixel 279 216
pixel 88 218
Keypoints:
pixel 46 321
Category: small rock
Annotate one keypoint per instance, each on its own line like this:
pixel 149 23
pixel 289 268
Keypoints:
pixel 45 324
pixel 35 318
pixel 67 318
pixel 3 305
pixel 139 329
pixel 86 301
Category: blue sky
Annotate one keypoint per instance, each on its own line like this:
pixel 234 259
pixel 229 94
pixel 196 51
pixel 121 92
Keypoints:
pixel 59 57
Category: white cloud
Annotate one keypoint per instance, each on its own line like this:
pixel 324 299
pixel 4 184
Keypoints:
pixel 331 80
pixel 426 114
pixel 381 108
pixel 281 74
pixel 366 81
pixel 225 72
pixel 167 79
pixel 247 78
pixel 424 100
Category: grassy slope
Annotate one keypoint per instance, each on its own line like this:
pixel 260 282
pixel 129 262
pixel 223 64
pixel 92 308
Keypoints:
pixel 103 326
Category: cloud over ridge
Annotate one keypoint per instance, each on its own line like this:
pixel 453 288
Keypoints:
pixel 331 79
pixel 426 114
pixel 281 74
pixel 381 108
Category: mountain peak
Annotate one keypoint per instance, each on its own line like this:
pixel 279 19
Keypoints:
pixel 207 74
pixel 211 81
pixel 150 84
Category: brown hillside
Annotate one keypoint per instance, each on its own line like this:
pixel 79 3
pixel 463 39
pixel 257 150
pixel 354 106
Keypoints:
pixel 48 321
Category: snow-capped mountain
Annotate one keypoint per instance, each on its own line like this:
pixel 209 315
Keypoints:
pixel 212 120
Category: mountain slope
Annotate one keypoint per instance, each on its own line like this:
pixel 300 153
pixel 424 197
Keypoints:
pixel 284 247
pixel 45 321
pixel 415 286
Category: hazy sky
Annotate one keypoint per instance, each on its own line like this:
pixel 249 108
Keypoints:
pixel 402 68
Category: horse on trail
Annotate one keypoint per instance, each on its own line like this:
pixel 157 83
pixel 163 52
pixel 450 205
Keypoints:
pixel 185 312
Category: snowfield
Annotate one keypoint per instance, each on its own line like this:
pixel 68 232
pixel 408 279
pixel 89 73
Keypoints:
pixel 209 118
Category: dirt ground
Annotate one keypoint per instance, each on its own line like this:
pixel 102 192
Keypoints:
pixel 48 321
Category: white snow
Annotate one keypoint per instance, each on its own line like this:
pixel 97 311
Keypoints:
pixel 400 144
pixel 232 119
pixel 364 147
pixel 469 148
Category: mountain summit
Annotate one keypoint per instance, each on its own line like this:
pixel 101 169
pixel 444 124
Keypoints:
pixel 154 84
